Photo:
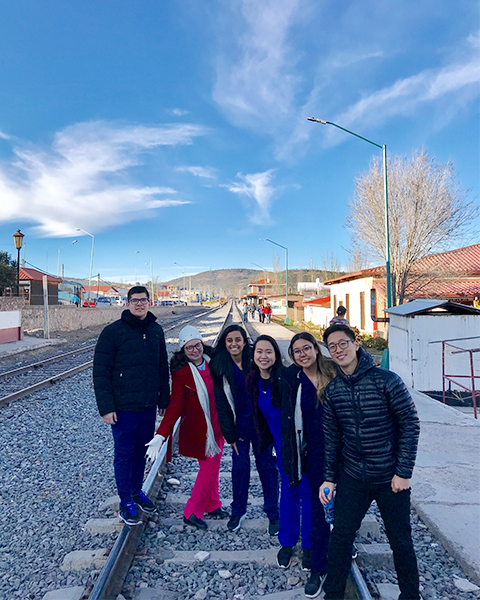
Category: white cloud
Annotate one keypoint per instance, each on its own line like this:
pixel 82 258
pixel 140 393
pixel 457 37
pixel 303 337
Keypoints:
pixel 256 187
pixel 179 112
pixel 258 82
pixel 405 95
pixel 82 180
pixel 204 172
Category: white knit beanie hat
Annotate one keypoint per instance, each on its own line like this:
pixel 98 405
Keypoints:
pixel 188 333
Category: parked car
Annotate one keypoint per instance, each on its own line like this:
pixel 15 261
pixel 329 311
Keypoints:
pixel 89 302
pixel 168 302
pixel 104 302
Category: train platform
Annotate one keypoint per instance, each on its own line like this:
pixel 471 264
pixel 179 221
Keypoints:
pixel 445 484
pixel 27 343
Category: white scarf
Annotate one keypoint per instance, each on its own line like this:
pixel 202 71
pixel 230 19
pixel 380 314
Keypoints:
pixel 211 447
pixel 299 429
pixel 228 393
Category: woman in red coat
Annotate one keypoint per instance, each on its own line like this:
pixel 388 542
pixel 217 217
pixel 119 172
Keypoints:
pixel 200 435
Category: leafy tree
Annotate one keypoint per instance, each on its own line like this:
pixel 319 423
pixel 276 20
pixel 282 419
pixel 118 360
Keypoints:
pixel 427 212
pixel 8 272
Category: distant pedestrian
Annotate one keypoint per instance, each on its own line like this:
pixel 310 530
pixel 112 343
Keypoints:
pixel 268 313
pixel 371 430
pixel 340 318
pixel 130 376
pixel 245 312
pixel 252 311
pixel 200 434
pixel 230 365
pixel 303 384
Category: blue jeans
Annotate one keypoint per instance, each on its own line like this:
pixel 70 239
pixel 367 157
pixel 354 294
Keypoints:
pixel 352 500
pixel 267 471
pixel 130 434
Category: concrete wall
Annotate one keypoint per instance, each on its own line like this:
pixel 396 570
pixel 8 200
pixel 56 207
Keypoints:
pixel 14 303
pixel 71 318
pixel 318 315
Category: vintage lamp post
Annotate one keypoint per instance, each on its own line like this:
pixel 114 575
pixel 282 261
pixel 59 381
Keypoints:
pixel 287 320
pixel 18 238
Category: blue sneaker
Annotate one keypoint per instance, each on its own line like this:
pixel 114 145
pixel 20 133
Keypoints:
pixel 128 513
pixel 144 502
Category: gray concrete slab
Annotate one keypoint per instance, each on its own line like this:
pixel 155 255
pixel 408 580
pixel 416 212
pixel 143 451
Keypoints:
pixel 446 480
pixel 28 343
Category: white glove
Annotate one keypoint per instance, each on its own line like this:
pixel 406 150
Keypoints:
pixel 154 446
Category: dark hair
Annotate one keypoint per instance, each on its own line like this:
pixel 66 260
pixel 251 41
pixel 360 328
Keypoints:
pixel 179 358
pixel 338 327
pixel 341 310
pixel 137 289
pixel 325 365
pixel 221 364
pixel 276 369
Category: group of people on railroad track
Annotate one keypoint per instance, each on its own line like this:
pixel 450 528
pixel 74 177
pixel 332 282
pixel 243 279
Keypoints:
pixel 340 423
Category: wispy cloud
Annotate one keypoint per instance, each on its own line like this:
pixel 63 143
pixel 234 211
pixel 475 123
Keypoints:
pixel 179 112
pixel 257 81
pixel 204 172
pixel 256 190
pixel 82 180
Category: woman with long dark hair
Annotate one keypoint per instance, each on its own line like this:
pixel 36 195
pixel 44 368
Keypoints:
pixel 302 455
pixel 200 434
pixel 231 363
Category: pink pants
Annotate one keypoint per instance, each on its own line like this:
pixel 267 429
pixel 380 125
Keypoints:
pixel 205 496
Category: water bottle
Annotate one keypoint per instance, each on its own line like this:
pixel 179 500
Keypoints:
pixel 328 508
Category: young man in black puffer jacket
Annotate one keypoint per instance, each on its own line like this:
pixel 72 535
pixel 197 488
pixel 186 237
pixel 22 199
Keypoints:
pixel 371 430
pixel 131 380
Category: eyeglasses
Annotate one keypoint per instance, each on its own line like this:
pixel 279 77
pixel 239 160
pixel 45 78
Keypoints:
pixel 193 348
pixel 138 301
pixel 342 345
pixel 304 350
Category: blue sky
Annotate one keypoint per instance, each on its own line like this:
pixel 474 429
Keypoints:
pixel 178 129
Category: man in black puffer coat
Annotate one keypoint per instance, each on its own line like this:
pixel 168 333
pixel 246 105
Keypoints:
pixel 130 376
pixel 371 430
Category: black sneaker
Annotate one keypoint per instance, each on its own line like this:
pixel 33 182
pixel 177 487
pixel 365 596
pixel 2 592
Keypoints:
pixel 306 560
pixel 144 502
pixel 235 522
pixel 284 557
pixel 314 585
pixel 194 521
pixel 219 513
pixel 273 527
pixel 128 513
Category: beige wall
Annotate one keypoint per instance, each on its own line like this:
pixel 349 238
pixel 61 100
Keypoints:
pixel 71 318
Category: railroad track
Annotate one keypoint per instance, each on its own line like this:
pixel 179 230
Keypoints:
pixel 255 543
pixel 21 382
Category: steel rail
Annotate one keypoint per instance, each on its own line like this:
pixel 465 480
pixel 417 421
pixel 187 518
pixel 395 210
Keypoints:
pixel 110 580
pixel 44 362
pixel 61 376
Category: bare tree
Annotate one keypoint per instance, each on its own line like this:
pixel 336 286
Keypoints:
pixel 427 211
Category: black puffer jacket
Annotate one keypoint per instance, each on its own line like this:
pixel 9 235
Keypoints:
pixel 370 424
pixel 314 451
pixel 130 367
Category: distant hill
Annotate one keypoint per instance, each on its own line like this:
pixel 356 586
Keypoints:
pixel 234 282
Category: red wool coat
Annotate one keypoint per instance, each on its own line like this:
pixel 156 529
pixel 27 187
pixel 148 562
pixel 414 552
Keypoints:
pixel 184 403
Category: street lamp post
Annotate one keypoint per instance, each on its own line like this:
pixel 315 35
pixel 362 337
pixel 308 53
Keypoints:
pixel 58 263
pixel 385 191
pixel 264 275
pixel 18 239
pixel 287 320
pixel 177 263
pixel 91 262
pixel 152 290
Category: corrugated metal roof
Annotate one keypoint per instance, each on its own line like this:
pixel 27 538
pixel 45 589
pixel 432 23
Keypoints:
pixel 425 306
pixel 34 275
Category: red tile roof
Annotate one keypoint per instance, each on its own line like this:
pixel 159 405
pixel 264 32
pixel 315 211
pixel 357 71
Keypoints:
pixel 324 302
pixel 34 275
pixel 461 261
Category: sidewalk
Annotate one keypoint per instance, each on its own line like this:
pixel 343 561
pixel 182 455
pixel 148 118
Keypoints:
pixel 446 480
pixel 28 343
